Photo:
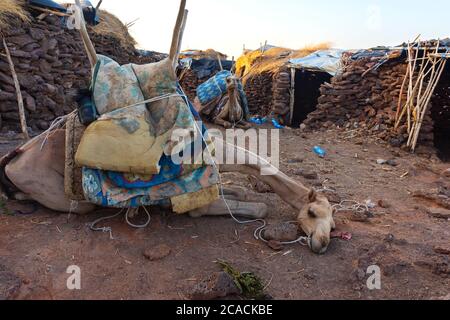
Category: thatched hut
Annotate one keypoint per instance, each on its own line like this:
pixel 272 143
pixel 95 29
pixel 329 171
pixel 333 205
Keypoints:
pixel 266 75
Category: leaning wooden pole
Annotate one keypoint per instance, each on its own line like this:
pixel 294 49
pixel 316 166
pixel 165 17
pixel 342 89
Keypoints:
pixel 90 50
pixel 180 39
pixel 23 120
pixel 176 32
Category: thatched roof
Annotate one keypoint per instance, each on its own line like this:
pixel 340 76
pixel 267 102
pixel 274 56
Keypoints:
pixel 200 54
pixel 256 62
pixel 11 8
pixel 111 26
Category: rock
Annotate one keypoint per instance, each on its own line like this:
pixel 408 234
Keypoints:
pixel 37 34
pixel 391 162
pixel 333 197
pixel 157 253
pixel 218 285
pixel 384 204
pixel 21 41
pixel 283 232
pixel 310 175
pixel 446 173
pixel 439 213
pixel 442 250
pixel 259 186
pixel 296 160
pixel 275 245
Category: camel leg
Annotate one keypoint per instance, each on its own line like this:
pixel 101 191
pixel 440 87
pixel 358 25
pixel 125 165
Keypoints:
pixel 246 210
pixel 243 195
pixel 244 125
pixel 223 123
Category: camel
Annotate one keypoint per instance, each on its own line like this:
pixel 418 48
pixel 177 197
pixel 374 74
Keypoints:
pixel 226 111
pixel 36 171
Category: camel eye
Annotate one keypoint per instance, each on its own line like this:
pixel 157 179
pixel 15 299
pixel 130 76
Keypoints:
pixel 311 214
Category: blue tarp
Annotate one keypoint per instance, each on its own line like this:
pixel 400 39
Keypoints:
pixel 323 60
pixel 47 4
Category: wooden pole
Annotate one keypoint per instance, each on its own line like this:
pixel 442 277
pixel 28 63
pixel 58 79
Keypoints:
pixel 98 5
pixel 90 50
pixel 180 39
pixel 220 62
pixel 292 97
pixel 176 32
pixel 23 120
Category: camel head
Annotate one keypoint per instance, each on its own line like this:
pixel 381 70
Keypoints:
pixel 316 220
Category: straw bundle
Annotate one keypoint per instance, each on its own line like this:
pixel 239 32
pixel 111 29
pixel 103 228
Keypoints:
pixel 11 8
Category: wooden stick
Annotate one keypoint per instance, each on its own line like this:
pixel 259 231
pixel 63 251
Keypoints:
pixel 436 81
pixel 180 40
pixel 292 96
pixel 23 120
pixel 98 5
pixel 90 49
pixel 400 98
pixel 56 13
pixel 176 32
pixel 220 62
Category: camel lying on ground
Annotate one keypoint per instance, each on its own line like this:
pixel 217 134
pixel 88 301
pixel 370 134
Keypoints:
pixel 36 171
pixel 39 175
pixel 232 114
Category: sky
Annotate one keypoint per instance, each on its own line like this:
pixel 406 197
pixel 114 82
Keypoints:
pixel 227 26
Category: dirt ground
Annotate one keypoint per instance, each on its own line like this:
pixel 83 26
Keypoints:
pixel 402 239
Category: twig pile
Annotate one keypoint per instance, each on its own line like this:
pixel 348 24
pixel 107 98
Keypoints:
pixel 425 68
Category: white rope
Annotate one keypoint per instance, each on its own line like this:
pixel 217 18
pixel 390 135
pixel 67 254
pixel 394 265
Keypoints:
pixel 257 234
pixel 145 225
pixel 351 205
pixel 105 229
pixel 56 124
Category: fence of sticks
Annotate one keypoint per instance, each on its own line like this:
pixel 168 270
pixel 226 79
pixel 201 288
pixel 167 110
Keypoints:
pixel 425 67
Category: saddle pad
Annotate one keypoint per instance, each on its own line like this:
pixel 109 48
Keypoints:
pixel 73 186
pixel 132 139
pixel 101 190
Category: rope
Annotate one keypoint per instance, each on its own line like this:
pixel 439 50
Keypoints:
pixel 350 205
pixel 56 124
pixel 257 234
pixel 105 229
pixel 149 219
pixel 109 229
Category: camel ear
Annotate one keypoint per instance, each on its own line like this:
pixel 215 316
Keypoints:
pixel 312 196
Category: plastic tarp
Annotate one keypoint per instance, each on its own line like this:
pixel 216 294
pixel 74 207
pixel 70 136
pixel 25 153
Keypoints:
pixel 205 68
pixel 323 60
pixel 48 4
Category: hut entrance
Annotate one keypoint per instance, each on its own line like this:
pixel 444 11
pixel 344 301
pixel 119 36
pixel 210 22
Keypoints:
pixel 441 115
pixel 307 85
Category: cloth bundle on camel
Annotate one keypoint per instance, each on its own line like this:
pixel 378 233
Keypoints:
pixel 126 154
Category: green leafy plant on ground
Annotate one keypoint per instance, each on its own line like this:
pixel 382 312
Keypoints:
pixel 247 282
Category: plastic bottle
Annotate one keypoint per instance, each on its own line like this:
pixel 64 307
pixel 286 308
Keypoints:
pixel 319 151
pixel 276 124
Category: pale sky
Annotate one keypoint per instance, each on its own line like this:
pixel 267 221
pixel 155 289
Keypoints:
pixel 227 25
